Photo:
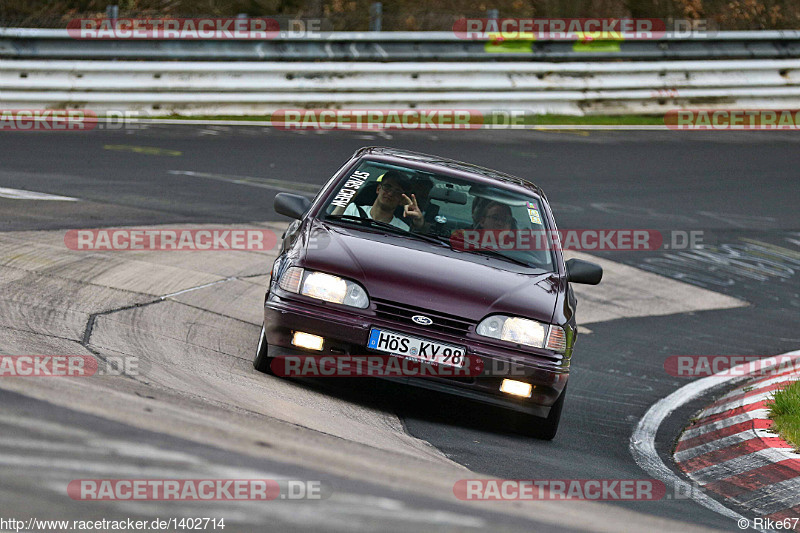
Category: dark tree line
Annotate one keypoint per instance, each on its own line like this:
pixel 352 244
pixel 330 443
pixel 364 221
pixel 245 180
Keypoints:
pixel 415 14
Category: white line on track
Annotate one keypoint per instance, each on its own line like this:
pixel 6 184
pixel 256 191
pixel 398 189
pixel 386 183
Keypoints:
pixel 643 440
pixel 54 464
pixel 721 424
pixel 49 466
pixel 39 445
pixel 264 183
pixel 99 447
pixel 42 426
pixel 20 194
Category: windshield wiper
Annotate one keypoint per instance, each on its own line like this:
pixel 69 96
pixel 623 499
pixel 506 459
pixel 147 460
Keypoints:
pixel 436 239
pixel 367 221
pixel 500 255
pixel 385 225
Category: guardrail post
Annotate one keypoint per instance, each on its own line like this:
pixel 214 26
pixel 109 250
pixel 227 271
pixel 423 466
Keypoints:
pixel 112 12
pixel 375 16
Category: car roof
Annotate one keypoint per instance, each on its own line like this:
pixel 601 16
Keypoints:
pixel 456 167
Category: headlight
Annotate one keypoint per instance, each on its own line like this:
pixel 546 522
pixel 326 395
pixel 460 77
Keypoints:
pixel 514 329
pixel 325 287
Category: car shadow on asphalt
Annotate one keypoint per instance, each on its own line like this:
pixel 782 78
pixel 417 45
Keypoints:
pixel 410 402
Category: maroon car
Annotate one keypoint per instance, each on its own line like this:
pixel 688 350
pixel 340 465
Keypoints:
pixel 426 261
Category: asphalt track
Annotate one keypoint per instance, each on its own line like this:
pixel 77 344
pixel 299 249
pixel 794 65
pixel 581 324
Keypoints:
pixel 741 189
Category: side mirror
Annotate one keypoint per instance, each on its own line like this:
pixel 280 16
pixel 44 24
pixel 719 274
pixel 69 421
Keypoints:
pixel 291 205
pixel 583 272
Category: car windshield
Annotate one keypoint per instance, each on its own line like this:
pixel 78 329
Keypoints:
pixel 468 216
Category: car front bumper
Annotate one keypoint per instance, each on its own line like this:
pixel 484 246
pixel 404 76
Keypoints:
pixel 346 333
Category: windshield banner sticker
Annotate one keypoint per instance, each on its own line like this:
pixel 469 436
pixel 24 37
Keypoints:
pixel 350 188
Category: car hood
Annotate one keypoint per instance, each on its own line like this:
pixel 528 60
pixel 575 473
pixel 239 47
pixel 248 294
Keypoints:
pixel 427 275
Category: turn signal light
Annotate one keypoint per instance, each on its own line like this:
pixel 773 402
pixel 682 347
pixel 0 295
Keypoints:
pixel 557 340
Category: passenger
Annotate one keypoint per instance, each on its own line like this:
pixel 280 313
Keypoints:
pixel 391 193
pixel 494 215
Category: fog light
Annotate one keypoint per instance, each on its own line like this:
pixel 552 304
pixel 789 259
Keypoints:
pixel 307 341
pixel 517 388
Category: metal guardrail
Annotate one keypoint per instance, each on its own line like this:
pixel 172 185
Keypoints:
pixel 192 88
pixel 397 70
pixel 338 77
pixel 27 43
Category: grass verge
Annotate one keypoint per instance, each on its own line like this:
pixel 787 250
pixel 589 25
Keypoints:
pixel 785 413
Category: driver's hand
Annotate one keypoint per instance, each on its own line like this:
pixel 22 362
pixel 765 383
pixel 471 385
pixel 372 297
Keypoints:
pixel 411 209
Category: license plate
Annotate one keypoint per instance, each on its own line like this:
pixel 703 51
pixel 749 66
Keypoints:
pixel 385 341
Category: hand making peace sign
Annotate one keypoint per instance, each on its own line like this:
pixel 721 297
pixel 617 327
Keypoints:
pixel 411 209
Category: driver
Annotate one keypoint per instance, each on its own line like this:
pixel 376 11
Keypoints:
pixel 391 193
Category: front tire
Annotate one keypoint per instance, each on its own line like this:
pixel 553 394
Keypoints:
pixel 262 361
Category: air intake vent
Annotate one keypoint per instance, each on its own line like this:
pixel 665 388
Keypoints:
pixel 402 313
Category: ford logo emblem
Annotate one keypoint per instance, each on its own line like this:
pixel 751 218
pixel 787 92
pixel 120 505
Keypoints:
pixel 422 320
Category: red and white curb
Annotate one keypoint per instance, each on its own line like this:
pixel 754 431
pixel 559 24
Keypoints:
pixel 729 450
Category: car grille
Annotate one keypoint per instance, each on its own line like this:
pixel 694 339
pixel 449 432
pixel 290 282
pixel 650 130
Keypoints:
pixel 442 322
